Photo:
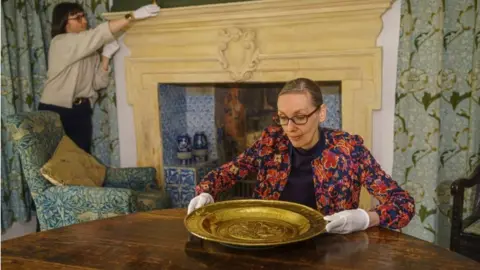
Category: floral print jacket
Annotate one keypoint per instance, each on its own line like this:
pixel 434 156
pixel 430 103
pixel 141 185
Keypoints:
pixel 344 166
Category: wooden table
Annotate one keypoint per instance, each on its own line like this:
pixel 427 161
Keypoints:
pixel 159 240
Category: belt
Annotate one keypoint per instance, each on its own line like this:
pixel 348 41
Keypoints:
pixel 79 101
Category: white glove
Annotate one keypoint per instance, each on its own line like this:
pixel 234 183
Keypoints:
pixel 199 201
pixel 146 12
pixel 110 49
pixel 348 221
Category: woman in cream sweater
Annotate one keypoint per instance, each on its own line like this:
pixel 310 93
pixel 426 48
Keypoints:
pixel 76 69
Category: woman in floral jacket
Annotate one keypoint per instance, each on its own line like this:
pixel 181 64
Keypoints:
pixel 322 168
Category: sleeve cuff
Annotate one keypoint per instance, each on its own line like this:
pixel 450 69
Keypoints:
pixel 388 217
pixel 102 72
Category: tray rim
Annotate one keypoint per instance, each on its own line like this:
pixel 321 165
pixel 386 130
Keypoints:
pixel 259 201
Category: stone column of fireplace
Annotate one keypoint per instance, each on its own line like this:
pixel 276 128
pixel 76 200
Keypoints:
pixel 260 41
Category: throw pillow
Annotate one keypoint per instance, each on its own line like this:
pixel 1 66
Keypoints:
pixel 72 166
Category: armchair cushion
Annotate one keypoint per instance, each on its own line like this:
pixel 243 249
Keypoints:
pixel 71 165
pixel 67 205
pixel 138 179
pixel 142 181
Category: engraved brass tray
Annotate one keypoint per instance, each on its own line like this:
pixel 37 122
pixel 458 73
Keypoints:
pixel 255 223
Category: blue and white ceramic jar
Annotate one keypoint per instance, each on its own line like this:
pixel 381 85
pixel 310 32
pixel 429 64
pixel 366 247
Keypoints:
pixel 200 147
pixel 184 148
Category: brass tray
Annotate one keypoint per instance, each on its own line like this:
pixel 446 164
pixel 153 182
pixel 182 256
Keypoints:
pixel 255 223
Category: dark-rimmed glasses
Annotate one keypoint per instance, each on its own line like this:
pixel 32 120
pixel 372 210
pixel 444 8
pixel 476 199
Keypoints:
pixel 297 119
pixel 78 17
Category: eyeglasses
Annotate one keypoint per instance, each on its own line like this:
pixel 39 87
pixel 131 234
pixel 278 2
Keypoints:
pixel 297 119
pixel 78 17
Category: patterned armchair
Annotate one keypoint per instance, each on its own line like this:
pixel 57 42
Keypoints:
pixel 465 233
pixel 126 190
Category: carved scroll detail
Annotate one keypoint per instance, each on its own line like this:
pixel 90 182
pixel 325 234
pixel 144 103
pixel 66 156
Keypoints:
pixel 238 53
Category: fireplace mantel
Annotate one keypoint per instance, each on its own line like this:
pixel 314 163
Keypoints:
pixel 257 41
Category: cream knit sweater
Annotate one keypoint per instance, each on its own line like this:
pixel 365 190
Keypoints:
pixel 75 68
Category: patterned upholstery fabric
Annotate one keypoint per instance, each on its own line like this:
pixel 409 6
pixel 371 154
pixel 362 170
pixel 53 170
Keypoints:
pixel 126 190
pixel 142 182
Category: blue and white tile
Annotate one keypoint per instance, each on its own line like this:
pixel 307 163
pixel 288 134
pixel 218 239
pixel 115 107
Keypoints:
pixel 334 110
pixel 172 116
pixel 172 126
pixel 201 118
pixel 180 185
pixel 172 97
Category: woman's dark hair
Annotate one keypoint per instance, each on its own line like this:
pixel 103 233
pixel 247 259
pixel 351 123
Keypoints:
pixel 60 16
pixel 306 86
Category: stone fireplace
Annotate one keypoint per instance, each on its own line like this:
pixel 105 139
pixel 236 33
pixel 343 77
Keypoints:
pixel 269 41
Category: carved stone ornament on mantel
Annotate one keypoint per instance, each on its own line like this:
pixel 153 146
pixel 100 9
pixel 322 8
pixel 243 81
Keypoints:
pixel 238 53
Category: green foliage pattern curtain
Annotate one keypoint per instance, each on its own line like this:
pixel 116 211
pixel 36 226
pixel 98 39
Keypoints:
pixel 25 41
pixel 437 116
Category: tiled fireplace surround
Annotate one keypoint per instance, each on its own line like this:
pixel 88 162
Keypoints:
pixel 258 41
pixel 190 109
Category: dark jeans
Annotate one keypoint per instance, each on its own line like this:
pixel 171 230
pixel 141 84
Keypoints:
pixel 77 122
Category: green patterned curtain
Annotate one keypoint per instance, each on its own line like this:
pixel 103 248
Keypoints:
pixel 437 117
pixel 25 40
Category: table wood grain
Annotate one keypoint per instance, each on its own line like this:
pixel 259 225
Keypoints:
pixel 159 240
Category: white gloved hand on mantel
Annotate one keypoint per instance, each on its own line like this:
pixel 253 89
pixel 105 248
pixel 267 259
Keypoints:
pixel 348 221
pixel 147 11
pixel 199 201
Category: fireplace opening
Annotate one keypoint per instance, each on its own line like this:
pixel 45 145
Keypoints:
pixel 206 125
